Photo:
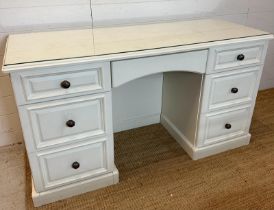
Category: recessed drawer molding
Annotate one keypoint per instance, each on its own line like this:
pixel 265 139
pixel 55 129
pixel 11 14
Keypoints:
pixel 230 89
pixel 44 84
pixel 235 56
pixel 57 122
pixel 64 166
pixel 224 125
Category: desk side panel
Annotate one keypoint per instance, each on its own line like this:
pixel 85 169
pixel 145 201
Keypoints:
pixel 181 104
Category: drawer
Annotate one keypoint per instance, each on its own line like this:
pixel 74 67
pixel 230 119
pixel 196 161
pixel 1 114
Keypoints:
pixel 221 126
pixel 235 56
pixel 57 122
pixel 72 164
pixel 127 70
pixel 231 88
pixel 60 82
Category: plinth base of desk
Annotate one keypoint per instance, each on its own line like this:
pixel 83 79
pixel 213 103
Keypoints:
pixel 197 153
pixel 220 147
pixel 46 197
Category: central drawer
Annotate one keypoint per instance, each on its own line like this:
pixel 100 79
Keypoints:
pixel 124 71
pixel 56 122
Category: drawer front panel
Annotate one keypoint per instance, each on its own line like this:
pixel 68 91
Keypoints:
pixel 57 122
pixel 68 165
pixel 221 126
pixel 61 82
pixel 232 88
pixel 127 70
pixel 235 56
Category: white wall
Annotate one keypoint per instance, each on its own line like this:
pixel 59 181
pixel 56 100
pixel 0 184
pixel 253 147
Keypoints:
pixel 18 16
pixel 128 11
pixel 261 15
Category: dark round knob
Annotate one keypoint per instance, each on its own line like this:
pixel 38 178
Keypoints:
pixel 70 123
pixel 240 57
pixel 75 165
pixel 228 126
pixel 65 84
pixel 234 90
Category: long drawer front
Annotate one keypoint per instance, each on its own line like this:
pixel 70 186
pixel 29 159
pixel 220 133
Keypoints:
pixel 224 125
pixel 60 82
pixel 124 71
pixel 57 122
pixel 71 164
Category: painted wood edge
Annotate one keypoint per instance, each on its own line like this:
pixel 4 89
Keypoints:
pixel 128 55
pixel 199 153
pixel 68 191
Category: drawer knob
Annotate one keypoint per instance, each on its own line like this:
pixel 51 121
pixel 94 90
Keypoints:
pixel 228 126
pixel 234 90
pixel 75 165
pixel 240 57
pixel 65 84
pixel 70 123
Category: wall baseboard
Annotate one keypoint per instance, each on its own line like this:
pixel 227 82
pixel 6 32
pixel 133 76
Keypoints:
pixel 11 138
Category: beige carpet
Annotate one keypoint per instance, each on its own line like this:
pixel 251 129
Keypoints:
pixel 155 173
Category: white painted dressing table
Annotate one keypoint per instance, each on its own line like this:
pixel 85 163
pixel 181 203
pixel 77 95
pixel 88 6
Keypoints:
pixel 63 81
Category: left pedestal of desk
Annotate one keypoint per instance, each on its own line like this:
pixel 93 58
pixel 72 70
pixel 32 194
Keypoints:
pixel 66 117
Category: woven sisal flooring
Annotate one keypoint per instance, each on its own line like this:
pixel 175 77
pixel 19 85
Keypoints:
pixel 155 173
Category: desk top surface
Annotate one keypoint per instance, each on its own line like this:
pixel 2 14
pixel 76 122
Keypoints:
pixel 58 45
